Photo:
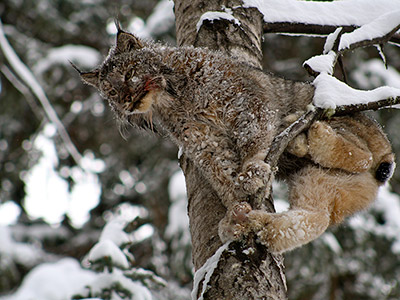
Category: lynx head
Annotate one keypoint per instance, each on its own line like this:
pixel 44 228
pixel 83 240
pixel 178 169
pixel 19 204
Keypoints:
pixel 130 77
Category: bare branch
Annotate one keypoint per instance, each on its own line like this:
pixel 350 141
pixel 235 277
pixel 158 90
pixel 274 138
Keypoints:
pixel 376 105
pixel 314 29
pixel 30 99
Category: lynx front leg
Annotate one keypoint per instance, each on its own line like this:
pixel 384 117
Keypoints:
pixel 214 155
pixel 255 174
pixel 280 232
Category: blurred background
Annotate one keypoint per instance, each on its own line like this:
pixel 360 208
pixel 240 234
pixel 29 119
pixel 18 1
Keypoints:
pixel 54 210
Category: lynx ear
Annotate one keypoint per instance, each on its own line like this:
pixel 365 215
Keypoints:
pixel 91 78
pixel 126 41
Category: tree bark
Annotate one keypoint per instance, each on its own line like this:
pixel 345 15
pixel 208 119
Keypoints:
pixel 247 270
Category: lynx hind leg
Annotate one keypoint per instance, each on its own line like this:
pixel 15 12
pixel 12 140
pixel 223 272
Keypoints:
pixel 312 194
pixel 288 230
pixel 339 149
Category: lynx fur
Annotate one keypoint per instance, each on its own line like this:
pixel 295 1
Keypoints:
pixel 224 115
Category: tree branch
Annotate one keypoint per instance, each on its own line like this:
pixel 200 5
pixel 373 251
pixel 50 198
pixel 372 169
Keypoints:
pixel 314 29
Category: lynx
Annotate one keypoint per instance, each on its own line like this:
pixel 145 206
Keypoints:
pixel 224 114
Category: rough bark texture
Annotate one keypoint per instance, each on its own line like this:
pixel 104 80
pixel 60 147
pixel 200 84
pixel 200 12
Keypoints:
pixel 248 270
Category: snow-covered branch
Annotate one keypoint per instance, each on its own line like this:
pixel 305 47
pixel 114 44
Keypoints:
pixel 331 92
pixel 320 18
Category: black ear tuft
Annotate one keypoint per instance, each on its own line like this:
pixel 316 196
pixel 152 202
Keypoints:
pixel 118 25
pixel 384 172
pixel 75 67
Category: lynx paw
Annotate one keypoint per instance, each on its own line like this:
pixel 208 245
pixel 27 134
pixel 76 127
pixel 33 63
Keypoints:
pixel 235 224
pixel 298 146
pixel 254 175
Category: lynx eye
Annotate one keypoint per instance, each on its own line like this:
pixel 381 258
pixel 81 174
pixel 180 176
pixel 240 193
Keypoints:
pixel 129 74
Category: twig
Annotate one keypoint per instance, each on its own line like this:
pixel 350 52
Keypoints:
pixel 23 90
pixel 28 78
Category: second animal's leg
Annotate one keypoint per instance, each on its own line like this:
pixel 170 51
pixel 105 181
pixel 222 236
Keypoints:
pixel 312 194
pixel 338 148
pixel 285 231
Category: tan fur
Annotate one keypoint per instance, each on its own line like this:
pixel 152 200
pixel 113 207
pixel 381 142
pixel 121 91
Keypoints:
pixel 224 115
pixel 325 194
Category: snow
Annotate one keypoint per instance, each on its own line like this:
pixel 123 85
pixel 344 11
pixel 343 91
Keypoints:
pixel 206 271
pixel 373 73
pixel 49 196
pixel 159 22
pixel 117 277
pixel 388 204
pixel 82 55
pixel 281 205
pixel 53 281
pixel 9 212
pixel 114 231
pixel 24 254
pixel 162 18
pixel 338 13
pixel 322 63
pixel 84 196
pixel 178 220
pixel 216 15
pixel 46 192
pixel 107 249
pixel 379 27
pixel 331 39
pixel 111 239
pixel 331 241
pixel 331 92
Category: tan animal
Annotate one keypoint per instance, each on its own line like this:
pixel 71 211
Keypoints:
pixel 224 114
pixel 349 159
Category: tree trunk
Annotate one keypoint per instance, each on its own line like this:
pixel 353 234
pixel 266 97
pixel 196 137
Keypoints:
pixel 247 270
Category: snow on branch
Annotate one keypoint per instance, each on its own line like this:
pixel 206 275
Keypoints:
pixel 316 18
pixel 217 15
pixel 28 78
pixel 331 92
